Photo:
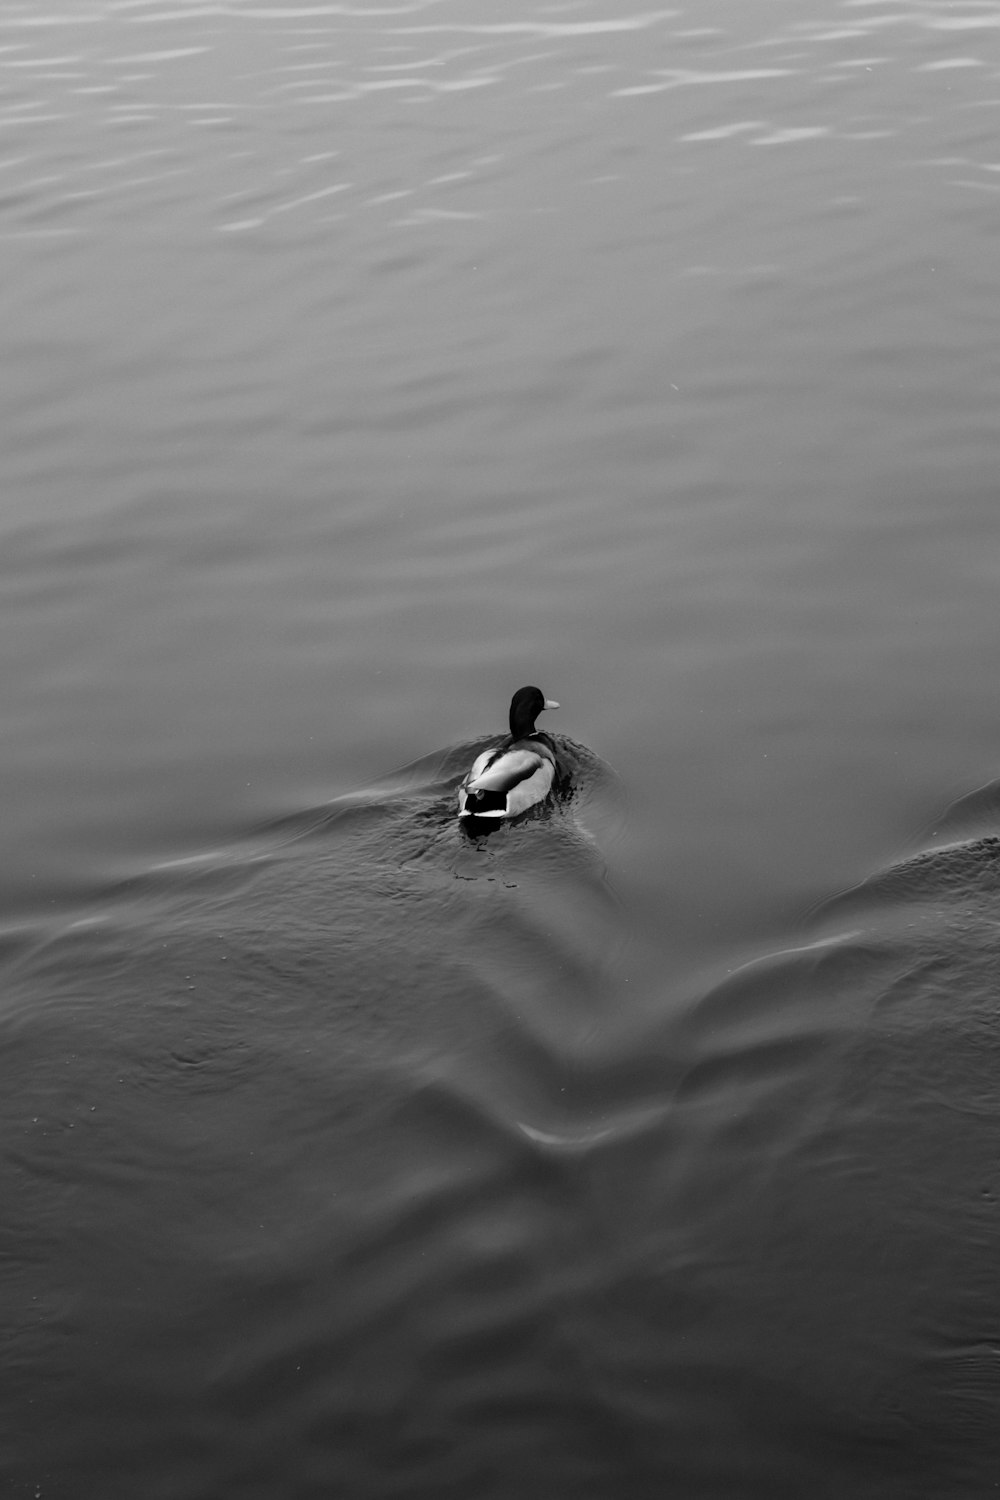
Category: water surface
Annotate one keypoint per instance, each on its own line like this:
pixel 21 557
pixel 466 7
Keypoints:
pixel 361 363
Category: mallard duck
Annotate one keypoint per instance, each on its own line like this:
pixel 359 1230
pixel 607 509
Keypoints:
pixel 512 777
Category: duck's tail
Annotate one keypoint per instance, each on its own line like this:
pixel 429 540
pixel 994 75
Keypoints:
pixel 484 803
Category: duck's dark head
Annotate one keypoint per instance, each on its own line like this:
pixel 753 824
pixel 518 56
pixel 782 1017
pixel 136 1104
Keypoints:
pixel 525 706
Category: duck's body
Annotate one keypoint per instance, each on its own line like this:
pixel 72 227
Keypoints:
pixel 506 781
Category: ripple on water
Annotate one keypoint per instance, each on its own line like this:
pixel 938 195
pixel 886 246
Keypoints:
pixel 282 1088
pixel 281 1118
pixel 176 76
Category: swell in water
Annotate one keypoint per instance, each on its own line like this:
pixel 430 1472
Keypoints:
pixel 285 1201
pixel 328 1172
pixel 836 1180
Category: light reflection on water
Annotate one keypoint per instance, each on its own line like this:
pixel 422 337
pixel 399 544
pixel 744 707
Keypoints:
pixel 360 364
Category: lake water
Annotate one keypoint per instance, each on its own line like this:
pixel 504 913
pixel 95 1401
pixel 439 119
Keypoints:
pixel 361 363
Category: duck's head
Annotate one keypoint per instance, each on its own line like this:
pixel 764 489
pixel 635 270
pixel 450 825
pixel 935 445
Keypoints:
pixel 525 706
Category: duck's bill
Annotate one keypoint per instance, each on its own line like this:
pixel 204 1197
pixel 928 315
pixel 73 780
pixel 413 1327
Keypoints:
pixel 551 703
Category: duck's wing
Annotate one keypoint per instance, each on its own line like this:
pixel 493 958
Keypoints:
pixel 500 773
pixel 479 765
pixel 492 803
pixel 534 787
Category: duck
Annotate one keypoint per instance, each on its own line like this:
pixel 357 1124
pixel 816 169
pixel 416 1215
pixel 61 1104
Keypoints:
pixel 515 775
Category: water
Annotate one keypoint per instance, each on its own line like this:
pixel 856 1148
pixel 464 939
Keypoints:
pixel 360 364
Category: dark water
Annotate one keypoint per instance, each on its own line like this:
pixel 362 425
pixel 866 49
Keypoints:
pixel 333 1166
pixel 360 363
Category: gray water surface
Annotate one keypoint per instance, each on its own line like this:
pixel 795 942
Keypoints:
pixel 360 364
